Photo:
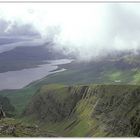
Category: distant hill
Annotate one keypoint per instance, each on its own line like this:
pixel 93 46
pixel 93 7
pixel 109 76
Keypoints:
pixel 8 40
pixel 122 69
pixel 27 57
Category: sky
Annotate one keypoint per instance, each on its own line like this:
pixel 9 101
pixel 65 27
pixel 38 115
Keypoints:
pixel 84 29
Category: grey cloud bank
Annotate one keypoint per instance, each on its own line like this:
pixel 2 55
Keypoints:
pixel 88 31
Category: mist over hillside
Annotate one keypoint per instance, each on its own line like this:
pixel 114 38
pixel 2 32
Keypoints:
pixel 87 31
pixel 70 70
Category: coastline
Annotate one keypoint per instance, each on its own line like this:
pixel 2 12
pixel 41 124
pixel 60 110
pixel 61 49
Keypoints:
pixel 24 77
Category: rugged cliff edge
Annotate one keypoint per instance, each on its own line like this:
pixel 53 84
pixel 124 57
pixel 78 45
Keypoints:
pixel 90 111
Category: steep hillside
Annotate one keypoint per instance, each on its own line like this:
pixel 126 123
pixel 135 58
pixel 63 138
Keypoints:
pixel 119 70
pixel 123 69
pixel 87 111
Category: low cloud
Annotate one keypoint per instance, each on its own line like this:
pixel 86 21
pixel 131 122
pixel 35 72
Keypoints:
pixel 85 30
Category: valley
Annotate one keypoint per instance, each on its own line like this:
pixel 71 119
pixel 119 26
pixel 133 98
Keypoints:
pixel 70 69
pixel 76 100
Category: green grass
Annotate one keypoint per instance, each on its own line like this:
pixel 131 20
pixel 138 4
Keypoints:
pixel 19 98
pixel 86 120
pixel 60 96
pixel 137 77
pixel 77 74
pixel 86 124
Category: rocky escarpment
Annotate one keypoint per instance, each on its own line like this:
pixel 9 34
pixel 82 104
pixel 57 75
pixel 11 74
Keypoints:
pixel 94 110
pixel 54 104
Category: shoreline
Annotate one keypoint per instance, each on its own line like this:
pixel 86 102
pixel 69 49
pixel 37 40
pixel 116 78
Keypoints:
pixel 14 80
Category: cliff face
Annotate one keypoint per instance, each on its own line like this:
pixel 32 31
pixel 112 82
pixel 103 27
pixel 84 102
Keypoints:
pixel 91 111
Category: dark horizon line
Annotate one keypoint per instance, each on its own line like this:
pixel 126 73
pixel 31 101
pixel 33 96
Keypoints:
pixel 52 1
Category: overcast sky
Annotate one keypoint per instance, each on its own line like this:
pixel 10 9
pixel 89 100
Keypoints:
pixel 89 30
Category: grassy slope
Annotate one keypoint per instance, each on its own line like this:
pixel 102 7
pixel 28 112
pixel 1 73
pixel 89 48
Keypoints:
pixel 19 98
pixel 99 72
pixel 102 110
pixel 81 111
